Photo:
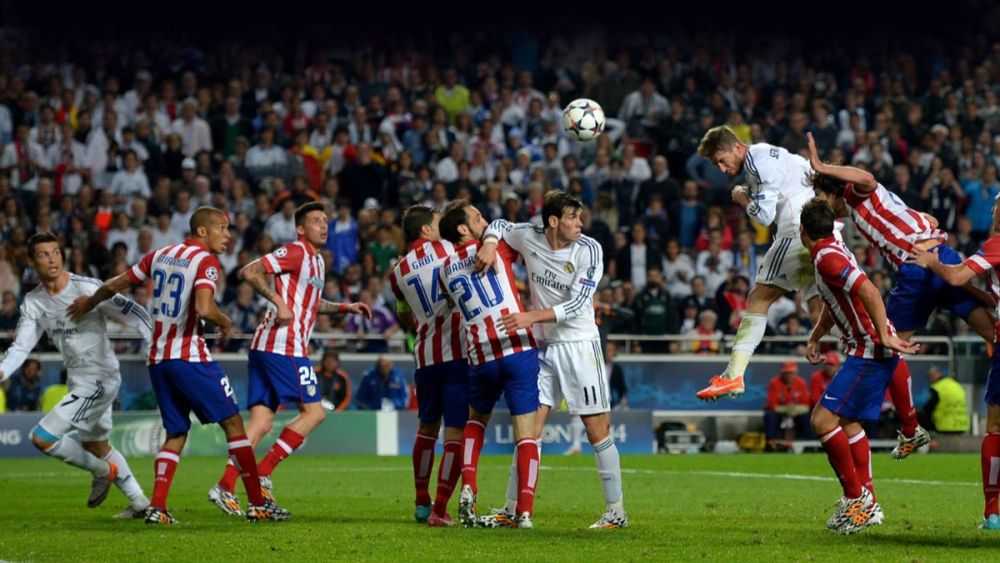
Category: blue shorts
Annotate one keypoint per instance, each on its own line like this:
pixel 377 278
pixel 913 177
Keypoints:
pixel 443 390
pixel 858 388
pixel 514 376
pixel 276 379
pixel 993 381
pixel 183 387
pixel 918 291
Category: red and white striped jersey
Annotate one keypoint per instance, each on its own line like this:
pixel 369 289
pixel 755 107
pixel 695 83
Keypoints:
pixel 888 224
pixel 838 279
pixel 986 261
pixel 414 281
pixel 299 275
pixel 176 272
pixel 483 300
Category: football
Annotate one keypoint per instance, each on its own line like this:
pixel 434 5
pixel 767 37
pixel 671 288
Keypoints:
pixel 583 119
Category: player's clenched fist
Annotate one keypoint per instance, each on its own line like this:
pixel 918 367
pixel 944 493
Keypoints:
pixel 487 255
pixel 741 195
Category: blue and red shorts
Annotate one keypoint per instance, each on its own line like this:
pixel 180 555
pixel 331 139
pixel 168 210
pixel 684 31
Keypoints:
pixel 918 291
pixel 183 387
pixel 443 390
pixel 858 388
pixel 275 379
pixel 515 376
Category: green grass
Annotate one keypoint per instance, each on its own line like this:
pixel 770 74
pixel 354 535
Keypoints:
pixel 739 507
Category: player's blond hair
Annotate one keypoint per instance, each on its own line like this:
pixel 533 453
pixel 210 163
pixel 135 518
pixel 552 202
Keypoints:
pixel 717 139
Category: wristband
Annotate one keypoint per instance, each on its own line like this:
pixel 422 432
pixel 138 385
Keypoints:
pixel 342 308
pixel 491 238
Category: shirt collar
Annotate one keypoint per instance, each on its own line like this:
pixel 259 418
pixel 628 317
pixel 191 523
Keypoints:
pixel 417 243
pixel 195 242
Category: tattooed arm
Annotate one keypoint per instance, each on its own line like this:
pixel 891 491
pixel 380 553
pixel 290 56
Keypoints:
pixel 255 275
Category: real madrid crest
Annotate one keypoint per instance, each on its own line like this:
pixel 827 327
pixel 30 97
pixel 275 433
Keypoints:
pixel 568 268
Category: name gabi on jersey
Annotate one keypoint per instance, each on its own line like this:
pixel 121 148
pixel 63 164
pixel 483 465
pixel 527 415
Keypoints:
pixel 549 280
pixel 172 261
pixel 427 259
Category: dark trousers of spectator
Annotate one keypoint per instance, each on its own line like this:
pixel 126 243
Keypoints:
pixel 772 426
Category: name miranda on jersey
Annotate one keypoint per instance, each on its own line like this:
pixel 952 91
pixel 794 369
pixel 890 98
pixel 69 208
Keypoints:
pixel 548 282
pixel 172 261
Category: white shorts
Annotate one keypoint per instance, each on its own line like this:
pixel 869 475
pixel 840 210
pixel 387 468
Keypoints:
pixel 574 371
pixel 787 265
pixel 86 409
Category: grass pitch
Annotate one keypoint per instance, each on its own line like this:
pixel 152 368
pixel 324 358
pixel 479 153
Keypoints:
pixel 739 507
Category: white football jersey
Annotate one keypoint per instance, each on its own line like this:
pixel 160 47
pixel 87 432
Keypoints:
pixel 564 280
pixel 776 179
pixel 84 345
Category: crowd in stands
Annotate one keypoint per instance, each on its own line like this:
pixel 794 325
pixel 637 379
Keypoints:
pixel 112 145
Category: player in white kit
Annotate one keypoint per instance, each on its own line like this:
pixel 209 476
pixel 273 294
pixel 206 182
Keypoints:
pixel 564 268
pixel 776 190
pixel 92 370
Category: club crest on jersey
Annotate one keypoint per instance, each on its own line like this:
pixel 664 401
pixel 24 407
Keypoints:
pixel 212 273
pixel 311 390
pixel 281 252
pixel 568 268
pixel 118 300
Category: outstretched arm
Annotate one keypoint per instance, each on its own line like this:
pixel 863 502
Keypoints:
pixel 863 181
pixel 955 274
pixel 27 336
pixel 83 305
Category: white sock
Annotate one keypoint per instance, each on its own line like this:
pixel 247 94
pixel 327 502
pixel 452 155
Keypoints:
pixel 510 504
pixel 610 469
pixel 748 337
pixel 126 481
pixel 71 452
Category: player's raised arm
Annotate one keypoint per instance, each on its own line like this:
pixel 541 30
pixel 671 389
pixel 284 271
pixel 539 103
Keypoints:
pixel 83 305
pixel 863 181
pixel 334 308
pixel 500 229
pixel 254 274
pixel 26 337
pixel 954 274
pixel 129 313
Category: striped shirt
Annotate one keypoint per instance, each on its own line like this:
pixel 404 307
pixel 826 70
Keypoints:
pixel 839 279
pixel 564 280
pixel 985 262
pixel 299 276
pixel 482 301
pixel 888 224
pixel 415 281
pixel 176 272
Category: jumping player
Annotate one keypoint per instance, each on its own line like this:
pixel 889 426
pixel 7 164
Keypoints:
pixel 895 230
pixel 442 375
pixel 565 267
pixel 986 261
pixel 501 361
pixel 775 192
pixel 183 374
pixel 279 370
pixel 93 375
pixel 854 305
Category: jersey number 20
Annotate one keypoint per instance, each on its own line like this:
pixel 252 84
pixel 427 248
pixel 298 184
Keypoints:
pixel 488 297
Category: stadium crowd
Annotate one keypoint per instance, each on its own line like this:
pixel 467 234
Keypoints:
pixel 112 145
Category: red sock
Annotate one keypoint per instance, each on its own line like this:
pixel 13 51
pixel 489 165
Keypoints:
pixel 902 398
pixel 448 474
pixel 838 451
pixel 861 453
pixel 472 440
pixel 423 465
pixel 991 472
pixel 527 475
pixel 241 454
pixel 229 476
pixel 287 442
pixel 164 467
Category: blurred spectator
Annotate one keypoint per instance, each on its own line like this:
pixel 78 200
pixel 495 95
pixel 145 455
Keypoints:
pixel 822 377
pixel 678 270
pixel 706 339
pixel 334 382
pixel 787 405
pixel 616 377
pixel 731 300
pixel 382 324
pixel 947 410
pixel 25 391
pixel 634 261
pixel 686 216
pixel 656 311
pixel 382 388
pixel 9 313
pixel 194 131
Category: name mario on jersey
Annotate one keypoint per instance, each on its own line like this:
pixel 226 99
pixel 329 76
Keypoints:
pixel 550 279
